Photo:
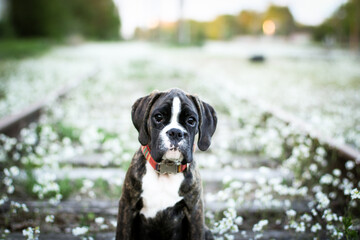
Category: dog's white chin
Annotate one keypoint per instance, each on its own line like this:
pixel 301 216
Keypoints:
pixel 173 155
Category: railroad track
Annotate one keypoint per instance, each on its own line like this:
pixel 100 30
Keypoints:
pixel 11 125
pixel 70 212
pixel 344 151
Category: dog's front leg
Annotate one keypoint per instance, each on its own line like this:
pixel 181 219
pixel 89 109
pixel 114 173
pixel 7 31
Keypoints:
pixel 195 217
pixel 192 192
pixel 124 221
pixel 130 204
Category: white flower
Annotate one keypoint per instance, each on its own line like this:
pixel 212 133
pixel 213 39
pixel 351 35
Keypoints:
pixel 104 226
pixel 291 213
pixel 226 224
pixel 49 218
pixel 336 182
pixel 330 227
pixel 113 223
pixel 24 207
pixel 326 179
pixel 349 165
pixel 355 194
pixel 332 195
pixel 315 228
pixel 322 199
pixel 313 167
pixel 300 227
pixel 99 220
pixel 91 194
pixel 258 235
pixel 337 172
pixel 306 217
pixel 87 184
pixel 14 171
pixel 3 200
pixel 239 220
pixel 320 151
pixel 229 237
pixel 260 225
pixel 347 186
pixel 316 188
pixel 329 216
pixel 79 231
pixel 7 181
pixel 31 233
pixel 10 189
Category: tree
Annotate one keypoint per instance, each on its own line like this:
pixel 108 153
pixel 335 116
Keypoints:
pixel 97 19
pixel 343 25
pixel 249 22
pixel 282 18
pixel 223 27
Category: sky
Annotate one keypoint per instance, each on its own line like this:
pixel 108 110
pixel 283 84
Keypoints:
pixel 144 13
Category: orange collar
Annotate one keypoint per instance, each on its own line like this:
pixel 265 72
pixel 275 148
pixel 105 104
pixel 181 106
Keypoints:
pixel 163 168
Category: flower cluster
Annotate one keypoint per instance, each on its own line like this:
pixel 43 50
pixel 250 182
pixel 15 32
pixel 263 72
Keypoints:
pixel 355 194
pixel 303 170
pixel 228 224
pixel 31 233
pixel 78 231
pixel 47 185
pixel 259 227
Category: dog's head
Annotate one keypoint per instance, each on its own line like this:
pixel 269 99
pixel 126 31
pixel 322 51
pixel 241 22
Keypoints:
pixel 168 122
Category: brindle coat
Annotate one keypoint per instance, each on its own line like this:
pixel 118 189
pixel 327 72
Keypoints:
pixel 184 220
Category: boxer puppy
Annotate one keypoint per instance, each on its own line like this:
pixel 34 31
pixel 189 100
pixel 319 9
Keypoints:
pixel 162 191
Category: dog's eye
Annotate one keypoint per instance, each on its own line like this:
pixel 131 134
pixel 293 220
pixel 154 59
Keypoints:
pixel 191 121
pixel 158 117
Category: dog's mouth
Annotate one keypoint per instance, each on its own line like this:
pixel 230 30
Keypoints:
pixel 173 155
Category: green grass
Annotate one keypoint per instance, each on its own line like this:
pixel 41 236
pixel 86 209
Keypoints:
pixel 21 48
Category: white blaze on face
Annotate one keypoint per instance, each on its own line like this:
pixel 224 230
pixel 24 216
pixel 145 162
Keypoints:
pixel 172 154
pixel 175 110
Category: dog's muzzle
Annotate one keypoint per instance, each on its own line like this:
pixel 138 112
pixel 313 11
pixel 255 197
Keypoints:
pixel 173 155
pixel 166 166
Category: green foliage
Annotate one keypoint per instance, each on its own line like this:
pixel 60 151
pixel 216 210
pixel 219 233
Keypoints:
pixel 223 27
pixel 29 184
pixel 68 187
pixel 19 48
pixel 97 19
pixel 197 32
pixel 86 219
pixel 249 22
pixel 107 135
pixel 39 18
pixel 282 18
pixel 103 188
pixel 349 233
pixel 341 25
pixel 6 28
pixel 67 131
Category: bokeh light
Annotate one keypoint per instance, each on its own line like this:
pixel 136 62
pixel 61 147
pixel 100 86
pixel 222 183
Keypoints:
pixel 269 27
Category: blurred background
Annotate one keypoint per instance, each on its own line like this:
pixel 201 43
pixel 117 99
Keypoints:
pixel 283 76
pixel 331 22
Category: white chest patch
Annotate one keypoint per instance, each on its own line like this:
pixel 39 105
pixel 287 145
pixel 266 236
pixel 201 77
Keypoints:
pixel 159 191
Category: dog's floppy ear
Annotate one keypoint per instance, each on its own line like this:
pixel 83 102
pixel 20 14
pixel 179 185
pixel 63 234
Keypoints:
pixel 140 114
pixel 207 122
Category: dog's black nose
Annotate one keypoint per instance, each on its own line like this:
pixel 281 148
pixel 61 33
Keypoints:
pixel 175 134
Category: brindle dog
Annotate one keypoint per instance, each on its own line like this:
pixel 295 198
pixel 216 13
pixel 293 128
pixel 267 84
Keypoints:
pixel 162 191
